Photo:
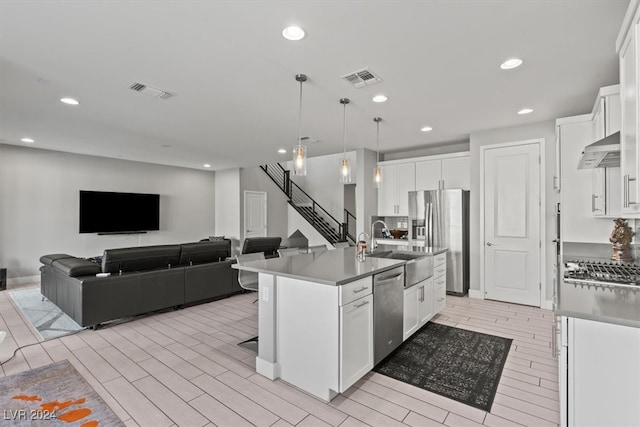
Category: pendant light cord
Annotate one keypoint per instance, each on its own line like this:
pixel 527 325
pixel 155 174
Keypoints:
pixel 344 129
pixel 378 120
pixel 300 118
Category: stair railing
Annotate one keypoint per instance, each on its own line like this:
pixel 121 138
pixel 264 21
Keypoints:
pixel 350 225
pixel 325 223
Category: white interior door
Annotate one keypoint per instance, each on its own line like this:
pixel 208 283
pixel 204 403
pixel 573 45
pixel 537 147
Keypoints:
pixel 255 214
pixel 512 207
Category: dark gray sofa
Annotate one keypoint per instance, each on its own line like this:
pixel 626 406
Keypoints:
pixel 143 279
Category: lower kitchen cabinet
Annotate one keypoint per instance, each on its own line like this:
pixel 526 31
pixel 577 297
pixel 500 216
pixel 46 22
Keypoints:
pixel 601 369
pixel 356 341
pixel 418 307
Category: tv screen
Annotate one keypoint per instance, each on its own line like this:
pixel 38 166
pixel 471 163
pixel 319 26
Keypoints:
pixel 108 212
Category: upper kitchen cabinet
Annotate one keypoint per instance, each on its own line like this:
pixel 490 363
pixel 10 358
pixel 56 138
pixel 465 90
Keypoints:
pixel 627 46
pixel 443 172
pixel 576 198
pixel 398 178
pixel 605 121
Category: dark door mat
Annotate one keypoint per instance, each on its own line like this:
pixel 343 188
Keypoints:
pixel 462 365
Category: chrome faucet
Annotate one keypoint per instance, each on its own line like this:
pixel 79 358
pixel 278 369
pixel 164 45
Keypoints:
pixel 374 245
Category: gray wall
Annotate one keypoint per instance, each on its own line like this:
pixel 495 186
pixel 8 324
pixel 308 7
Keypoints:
pixel 544 130
pixel 254 179
pixel 366 193
pixel 322 181
pixel 39 199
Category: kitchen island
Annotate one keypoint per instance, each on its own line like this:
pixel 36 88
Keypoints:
pixel 315 319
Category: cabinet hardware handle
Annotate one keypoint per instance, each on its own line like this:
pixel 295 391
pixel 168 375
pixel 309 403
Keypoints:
pixel 364 288
pixel 361 304
pixel 593 202
pixel 441 299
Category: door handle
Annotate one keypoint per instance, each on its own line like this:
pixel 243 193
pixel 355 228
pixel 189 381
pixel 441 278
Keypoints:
pixel 491 244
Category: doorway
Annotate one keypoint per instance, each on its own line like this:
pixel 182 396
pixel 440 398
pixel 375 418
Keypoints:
pixel 255 214
pixel 511 194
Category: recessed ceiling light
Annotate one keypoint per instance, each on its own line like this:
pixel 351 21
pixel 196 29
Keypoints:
pixel 511 63
pixel 207 165
pixel 69 101
pixel 426 129
pixel 27 140
pixel 526 111
pixel 293 33
pixel 282 151
pixel 379 98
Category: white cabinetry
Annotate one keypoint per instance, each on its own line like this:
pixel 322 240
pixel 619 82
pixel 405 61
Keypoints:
pixel 356 340
pixel 576 198
pixel 397 180
pixel 605 182
pixel 418 306
pixel 410 313
pixel 439 282
pixel 443 172
pixel 324 338
pixel 628 45
pixel 602 381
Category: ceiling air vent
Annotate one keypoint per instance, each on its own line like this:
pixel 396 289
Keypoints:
pixel 362 78
pixel 309 140
pixel 151 91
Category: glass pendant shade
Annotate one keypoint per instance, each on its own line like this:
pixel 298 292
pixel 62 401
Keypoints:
pixel 345 171
pixel 299 160
pixel 377 177
pixel 299 150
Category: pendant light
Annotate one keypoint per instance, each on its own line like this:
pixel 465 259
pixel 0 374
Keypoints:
pixel 345 166
pixel 300 151
pixel 377 172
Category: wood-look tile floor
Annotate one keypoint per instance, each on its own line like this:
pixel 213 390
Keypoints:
pixel 183 368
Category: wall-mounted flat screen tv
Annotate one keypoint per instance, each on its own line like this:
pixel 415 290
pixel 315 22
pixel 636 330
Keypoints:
pixel 108 212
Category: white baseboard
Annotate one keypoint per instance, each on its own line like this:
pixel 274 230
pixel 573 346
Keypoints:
pixel 547 305
pixel 268 369
pixel 475 293
pixel 24 280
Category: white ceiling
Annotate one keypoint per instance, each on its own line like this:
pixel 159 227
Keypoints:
pixel 233 73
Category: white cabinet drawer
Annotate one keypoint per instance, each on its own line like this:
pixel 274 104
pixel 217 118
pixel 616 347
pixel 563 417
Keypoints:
pixel 353 290
pixel 440 281
pixel 439 259
pixel 439 297
pixel 439 270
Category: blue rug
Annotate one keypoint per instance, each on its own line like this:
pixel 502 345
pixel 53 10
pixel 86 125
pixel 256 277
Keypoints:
pixel 45 316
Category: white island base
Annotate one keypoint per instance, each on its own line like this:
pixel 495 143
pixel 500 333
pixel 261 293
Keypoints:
pixel 316 337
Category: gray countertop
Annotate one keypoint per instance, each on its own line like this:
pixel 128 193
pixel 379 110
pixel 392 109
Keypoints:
pixel 612 305
pixel 427 250
pixel 333 267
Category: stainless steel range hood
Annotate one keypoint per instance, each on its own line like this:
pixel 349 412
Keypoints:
pixel 604 153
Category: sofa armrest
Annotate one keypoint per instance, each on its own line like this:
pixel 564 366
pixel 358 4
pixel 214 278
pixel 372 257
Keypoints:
pixel 76 267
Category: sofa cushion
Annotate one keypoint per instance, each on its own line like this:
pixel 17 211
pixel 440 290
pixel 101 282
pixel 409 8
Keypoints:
pixel 201 252
pixel 49 259
pixel 76 267
pixel 140 258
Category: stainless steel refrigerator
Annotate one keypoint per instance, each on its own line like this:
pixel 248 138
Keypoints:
pixel 440 218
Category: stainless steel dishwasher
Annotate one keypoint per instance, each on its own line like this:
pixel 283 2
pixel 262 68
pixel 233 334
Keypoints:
pixel 387 312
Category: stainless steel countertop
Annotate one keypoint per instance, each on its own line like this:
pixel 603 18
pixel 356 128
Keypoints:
pixel 333 267
pixel 611 305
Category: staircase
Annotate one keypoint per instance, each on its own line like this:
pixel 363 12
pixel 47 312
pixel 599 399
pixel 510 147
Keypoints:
pixel 329 227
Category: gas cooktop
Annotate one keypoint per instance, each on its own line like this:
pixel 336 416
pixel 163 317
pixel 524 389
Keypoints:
pixel 602 273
